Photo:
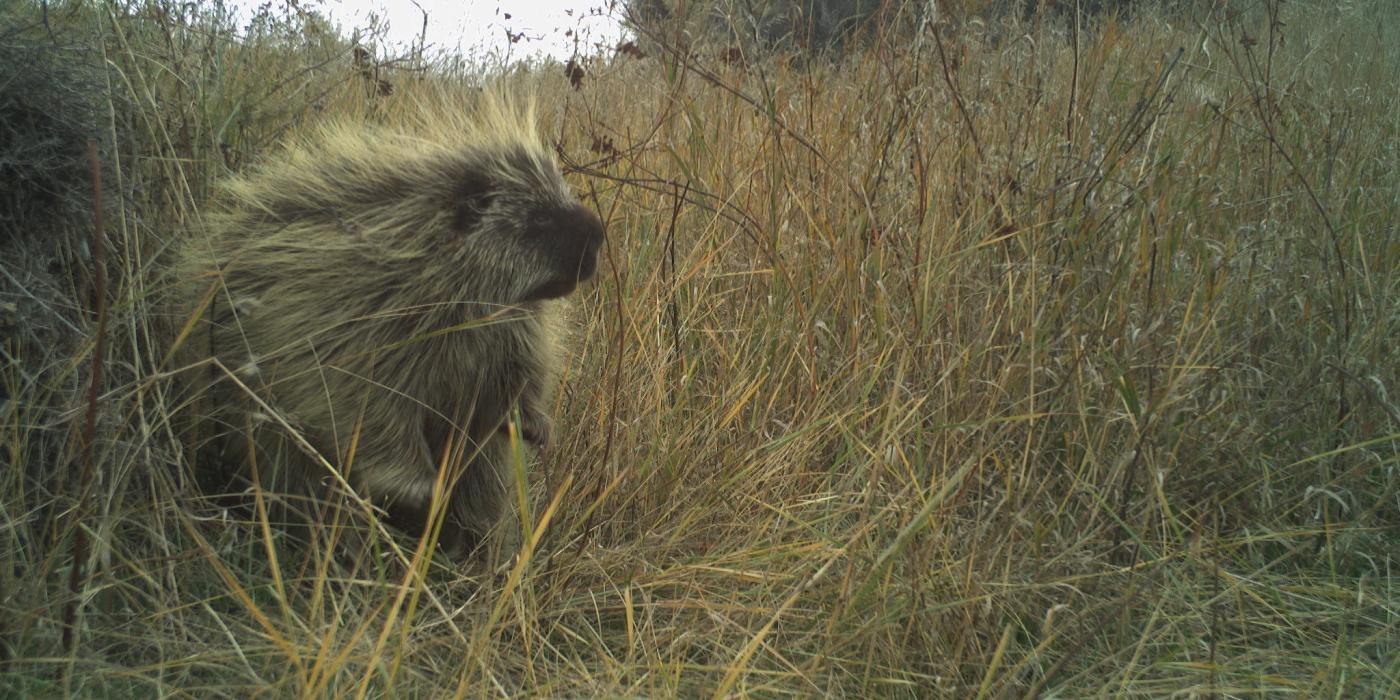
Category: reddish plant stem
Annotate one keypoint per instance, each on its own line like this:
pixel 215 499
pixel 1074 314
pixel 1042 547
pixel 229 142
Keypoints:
pixel 89 436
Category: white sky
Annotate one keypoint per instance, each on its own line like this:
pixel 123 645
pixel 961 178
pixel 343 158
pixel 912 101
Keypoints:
pixel 477 28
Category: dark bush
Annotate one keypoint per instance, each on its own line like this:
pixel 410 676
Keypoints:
pixel 813 25
pixel 51 99
pixel 819 26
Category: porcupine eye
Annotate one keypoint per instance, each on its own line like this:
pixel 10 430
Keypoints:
pixel 470 198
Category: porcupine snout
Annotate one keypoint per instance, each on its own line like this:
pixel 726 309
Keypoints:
pixel 570 236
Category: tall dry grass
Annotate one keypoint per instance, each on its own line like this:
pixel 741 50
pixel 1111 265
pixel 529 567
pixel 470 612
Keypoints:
pixel 993 363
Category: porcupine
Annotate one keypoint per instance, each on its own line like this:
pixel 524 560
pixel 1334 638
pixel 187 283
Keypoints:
pixel 393 296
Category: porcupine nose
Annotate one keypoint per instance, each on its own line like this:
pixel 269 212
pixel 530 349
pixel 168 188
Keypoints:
pixel 589 232
pixel 571 236
pixel 575 234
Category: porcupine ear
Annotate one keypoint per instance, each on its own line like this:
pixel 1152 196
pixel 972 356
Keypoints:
pixel 471 195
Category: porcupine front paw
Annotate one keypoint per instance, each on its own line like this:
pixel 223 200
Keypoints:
pixel 536 428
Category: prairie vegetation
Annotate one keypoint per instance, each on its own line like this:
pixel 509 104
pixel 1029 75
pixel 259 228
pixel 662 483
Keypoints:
pixel 997 359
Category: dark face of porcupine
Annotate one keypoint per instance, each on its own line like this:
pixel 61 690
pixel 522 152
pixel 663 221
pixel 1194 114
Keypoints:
pixel 522 227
